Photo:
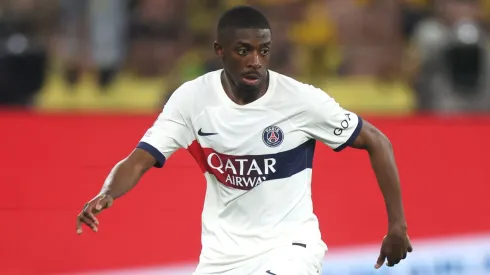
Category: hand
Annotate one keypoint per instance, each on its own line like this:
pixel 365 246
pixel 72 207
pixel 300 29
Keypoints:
pixel 91 209
pixel 394 247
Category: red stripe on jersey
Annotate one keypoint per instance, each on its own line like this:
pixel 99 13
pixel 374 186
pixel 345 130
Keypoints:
pixel 201 155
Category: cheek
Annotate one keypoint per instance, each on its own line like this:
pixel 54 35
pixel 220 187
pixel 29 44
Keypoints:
pixel 265 59
pixel 234 63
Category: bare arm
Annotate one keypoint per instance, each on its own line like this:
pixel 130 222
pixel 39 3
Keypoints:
pixel 127 173
pixel 396 243
pixel 122 178
pixel 382 159
pixel 168 133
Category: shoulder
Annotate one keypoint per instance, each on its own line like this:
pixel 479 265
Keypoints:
pixel 298 91
pixel 193 86
pixel 190 91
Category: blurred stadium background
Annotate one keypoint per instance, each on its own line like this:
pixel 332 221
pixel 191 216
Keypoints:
pixel 81 80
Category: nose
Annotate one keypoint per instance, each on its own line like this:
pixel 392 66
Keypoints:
pixel 255 61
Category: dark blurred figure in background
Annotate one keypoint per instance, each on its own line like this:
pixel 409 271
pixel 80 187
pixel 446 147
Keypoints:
pixel 368 33
pixel 23 56
pixel 155 45
pixel 454 59
pixel 107 30
pixel 157 30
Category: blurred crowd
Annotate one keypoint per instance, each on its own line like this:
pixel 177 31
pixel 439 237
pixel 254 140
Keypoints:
pixel 438 48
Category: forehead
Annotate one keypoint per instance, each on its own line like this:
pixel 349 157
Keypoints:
pixel 250 36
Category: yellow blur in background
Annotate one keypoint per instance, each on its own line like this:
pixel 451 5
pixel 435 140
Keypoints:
pixel 317 53
pixel 366 54
pixel 135 95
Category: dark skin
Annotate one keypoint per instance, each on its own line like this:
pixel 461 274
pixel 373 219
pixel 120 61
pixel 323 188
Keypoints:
pixel 244 53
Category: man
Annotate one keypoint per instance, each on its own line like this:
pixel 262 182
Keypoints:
pixel 253 133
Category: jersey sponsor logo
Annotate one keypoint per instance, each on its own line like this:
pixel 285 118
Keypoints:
pixel 248 171
pixel 241 172
pixel 272 136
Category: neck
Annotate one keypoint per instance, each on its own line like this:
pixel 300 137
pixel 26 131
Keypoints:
pixel 242 96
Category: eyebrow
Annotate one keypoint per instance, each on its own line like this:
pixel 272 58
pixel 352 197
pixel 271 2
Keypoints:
pixel 249 45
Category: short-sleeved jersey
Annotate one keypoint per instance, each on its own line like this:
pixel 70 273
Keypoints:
pixel 256 158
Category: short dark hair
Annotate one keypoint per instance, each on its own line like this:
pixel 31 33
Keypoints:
pixel 242 17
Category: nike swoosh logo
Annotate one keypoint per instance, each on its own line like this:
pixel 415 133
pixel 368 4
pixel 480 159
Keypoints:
pixel 202 134
pixel 269 272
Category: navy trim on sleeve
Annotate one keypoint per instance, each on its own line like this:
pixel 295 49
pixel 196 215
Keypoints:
pixel 160 158
pixel 353 137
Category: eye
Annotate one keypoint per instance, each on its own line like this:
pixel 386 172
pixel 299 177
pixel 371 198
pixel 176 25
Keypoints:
pixel 242 51
pixel 265 51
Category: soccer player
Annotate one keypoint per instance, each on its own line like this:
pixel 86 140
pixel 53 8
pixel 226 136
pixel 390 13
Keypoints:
pixel 253 133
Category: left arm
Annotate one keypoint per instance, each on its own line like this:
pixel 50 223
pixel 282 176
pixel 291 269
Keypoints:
pixel 382 159
pixel 325 120
pixel 396 243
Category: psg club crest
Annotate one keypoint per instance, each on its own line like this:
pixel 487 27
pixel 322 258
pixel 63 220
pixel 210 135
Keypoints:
pixel 272 136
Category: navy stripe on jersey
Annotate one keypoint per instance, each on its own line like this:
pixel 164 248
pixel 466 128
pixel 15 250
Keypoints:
pixel 159 157
pixel 246 172
pixel 353 137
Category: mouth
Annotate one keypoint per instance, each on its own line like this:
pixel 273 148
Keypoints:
pixel 251 79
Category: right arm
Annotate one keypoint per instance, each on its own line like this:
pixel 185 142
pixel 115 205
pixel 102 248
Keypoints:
pixel 169 133
pixel 127 173
pixel 122 178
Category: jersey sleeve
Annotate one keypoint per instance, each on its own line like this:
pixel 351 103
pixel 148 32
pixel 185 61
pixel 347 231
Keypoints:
pixel 170 131
pixel 325 120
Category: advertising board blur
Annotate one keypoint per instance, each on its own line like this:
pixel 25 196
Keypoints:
pixel 52 164
pixel 451 256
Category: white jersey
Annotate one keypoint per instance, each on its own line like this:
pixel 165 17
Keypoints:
pixel 257 161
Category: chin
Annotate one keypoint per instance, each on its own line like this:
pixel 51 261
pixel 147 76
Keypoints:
pixel 248 87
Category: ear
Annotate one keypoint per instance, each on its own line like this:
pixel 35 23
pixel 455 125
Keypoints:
pixel 218 49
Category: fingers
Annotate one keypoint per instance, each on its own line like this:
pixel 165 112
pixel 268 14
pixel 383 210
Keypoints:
pixel 87 216
pixel 92 220
pixel 382 256
pixel 397 252
pixel 79 226
pixel 81 219
pixel 87 221
pixel 409 245
pixel 380 261
pixel 393 259
pixel 393 252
